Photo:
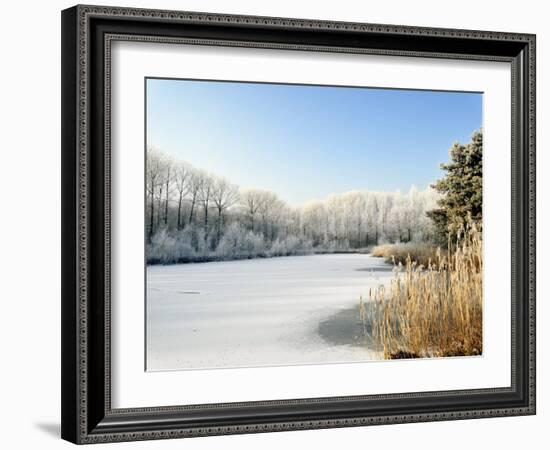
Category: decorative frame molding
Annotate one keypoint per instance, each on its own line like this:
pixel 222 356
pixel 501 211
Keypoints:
pixel 87 34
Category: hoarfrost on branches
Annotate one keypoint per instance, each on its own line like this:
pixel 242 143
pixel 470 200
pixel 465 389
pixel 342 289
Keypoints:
pixel 193 215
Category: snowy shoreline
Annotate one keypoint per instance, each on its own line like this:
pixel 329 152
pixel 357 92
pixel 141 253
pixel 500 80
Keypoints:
pixel 210 259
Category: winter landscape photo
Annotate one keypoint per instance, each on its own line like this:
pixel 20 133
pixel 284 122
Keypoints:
pixel 301 224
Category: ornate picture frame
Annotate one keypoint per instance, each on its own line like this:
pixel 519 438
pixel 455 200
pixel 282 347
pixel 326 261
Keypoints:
pixel 88 33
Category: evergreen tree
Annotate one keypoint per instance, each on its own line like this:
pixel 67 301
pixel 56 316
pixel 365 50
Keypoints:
pixel 462 187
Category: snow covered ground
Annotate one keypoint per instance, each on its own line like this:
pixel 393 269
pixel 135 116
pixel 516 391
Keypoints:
pixel 261 312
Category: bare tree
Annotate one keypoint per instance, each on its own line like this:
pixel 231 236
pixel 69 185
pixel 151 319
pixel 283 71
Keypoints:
pixel 334 211
pixel 153 177
pixel 269 204
pixel 206 190
pixel 251 202
pixel 195 181
pixel 357 206
pixel 313 220
pixel 182 176
pixel 168 178
pixel 384 211
pixel 224 196
pixel 414 211
pixel 373 210
pixel 163 188
pixel 160 189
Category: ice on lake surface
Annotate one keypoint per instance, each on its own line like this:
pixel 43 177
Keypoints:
pixel 260 312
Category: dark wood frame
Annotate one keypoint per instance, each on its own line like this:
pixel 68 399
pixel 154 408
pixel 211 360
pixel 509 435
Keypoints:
pixel 87 32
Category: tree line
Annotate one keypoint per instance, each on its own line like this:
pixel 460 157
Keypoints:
pixel 194 215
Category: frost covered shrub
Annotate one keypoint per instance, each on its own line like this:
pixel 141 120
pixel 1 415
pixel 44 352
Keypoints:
pixel 306 246
pixel 291 245
pixel 201 244
pixel 238 243
pixel 278 248
pixel 170 247
pixel 330 246
pixel 254 245
pixel 184 250
pixel 231 242
pixel 333 246
pixel 192 243
pixel 162 248
pixel 188 236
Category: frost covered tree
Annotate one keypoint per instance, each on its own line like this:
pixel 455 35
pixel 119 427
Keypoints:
pixel 193 192
pixel 372 205
pixel 168 177
pixel 182 179
pixel 250 223
pixel 224 196
pixel 205 193
pixel 251 202
pixel 153 179
pixel 313 220
pixel 270 205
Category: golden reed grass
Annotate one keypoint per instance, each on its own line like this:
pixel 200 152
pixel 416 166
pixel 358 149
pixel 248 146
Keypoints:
pixel 431 310
pixel 422 254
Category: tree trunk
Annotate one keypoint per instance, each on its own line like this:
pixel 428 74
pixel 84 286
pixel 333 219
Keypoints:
pixel 205 222
pixel 179 213
pixel 192 208
pixel 152 222
pixel 167 194
pixel 159 208
pixel 219 224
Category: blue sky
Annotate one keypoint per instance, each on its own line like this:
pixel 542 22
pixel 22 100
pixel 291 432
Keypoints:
pixel 306 142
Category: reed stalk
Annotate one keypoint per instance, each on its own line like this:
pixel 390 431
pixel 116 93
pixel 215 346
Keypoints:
pixel 432 310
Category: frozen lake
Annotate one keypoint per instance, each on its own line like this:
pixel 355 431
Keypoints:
pixel 261 312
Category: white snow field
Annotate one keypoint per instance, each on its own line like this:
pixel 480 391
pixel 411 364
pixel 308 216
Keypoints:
pixel 260 312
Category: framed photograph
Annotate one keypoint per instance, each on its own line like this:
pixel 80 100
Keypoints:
pixel 277 224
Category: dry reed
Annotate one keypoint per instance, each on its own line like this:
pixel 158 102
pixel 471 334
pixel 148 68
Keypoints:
pixel 398 253
pixel 431 310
